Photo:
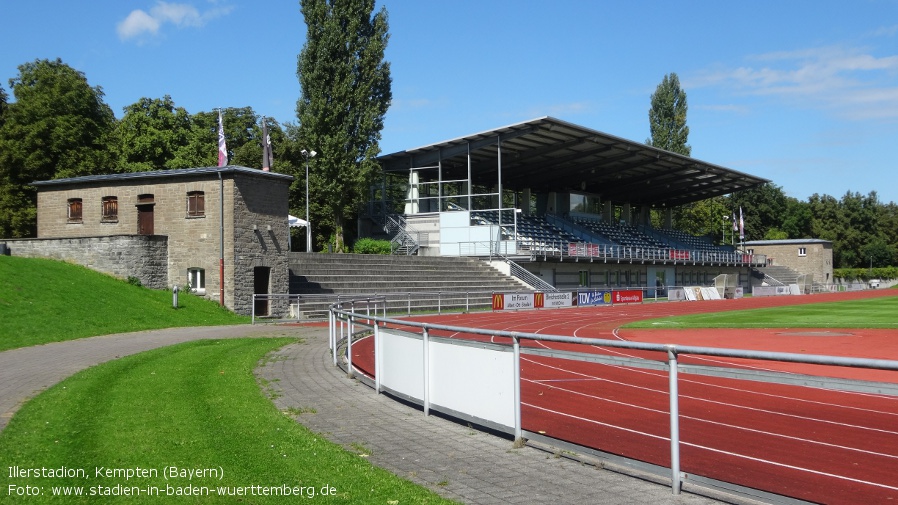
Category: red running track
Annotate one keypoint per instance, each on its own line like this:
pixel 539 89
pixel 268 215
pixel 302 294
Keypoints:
pixel 817 445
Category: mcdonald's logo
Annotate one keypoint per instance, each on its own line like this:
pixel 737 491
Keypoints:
pixel 498 301
pixel 539 300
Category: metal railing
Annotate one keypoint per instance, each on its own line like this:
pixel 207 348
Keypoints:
pixel 345 322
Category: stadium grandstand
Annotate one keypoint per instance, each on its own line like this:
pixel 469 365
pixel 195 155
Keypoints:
pixel 570 205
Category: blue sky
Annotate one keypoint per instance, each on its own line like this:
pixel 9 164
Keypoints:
pixel 804 93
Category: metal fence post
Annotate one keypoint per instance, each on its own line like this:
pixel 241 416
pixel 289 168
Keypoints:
pixel 349 344
pixel 377 357
pixel 674 423
pixel 426 360
pixel 518 431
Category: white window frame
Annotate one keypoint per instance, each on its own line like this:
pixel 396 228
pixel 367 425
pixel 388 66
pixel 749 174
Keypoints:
pixel 802 251
pixel 196 277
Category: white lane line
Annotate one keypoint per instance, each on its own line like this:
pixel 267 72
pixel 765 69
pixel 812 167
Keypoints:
pixel 666 414
pixel 725 404
pixel 733 454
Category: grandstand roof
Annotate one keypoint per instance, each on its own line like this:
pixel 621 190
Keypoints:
pixel 548 154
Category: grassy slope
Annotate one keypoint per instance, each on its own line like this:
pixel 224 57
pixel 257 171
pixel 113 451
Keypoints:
pixel 47 301
pixel 871 313
pixel 193 405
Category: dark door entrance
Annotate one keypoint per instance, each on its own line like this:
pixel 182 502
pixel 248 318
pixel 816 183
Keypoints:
pixel 145 219
pixel 261 277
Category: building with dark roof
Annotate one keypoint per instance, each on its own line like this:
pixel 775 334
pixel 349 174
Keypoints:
pixel 222 232
pixel 570 204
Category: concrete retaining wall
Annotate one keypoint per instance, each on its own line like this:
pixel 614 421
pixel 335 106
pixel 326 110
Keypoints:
pixel 142 256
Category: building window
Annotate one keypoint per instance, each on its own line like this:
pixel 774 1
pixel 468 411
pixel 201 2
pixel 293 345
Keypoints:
pixel 196 204
pixel 110 209
pixel 75 209
pixel 584 278
pixel 196 277
pixel 802 251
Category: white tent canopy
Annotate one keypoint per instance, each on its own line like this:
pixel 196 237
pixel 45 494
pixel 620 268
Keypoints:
pixel 295 222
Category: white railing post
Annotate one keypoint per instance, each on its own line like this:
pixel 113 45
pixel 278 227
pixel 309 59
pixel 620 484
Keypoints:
pixel 675 483
pixel 349 344
pixel 331 328
pixel 426 362
pixel 377 358
pixel 518 431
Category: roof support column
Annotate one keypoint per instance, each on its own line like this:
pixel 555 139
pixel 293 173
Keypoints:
pixel 468 184
pixel 440 182
pixel 499 159
pixel 525 201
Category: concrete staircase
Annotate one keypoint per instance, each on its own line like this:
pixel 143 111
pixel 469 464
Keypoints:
pixel 411 283
pixel 776 275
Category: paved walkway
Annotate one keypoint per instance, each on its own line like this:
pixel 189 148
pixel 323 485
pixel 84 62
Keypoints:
pixel 455 461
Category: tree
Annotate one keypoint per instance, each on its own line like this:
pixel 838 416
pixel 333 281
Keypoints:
pixel 763 208
pixel 667 117
pixel 150 135
pixel 58 126
pixel 345 85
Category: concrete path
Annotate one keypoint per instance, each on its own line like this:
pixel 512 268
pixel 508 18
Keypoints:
pixel 27 371
pixel 455 461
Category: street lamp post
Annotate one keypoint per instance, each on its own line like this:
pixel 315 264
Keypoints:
pixel 307 155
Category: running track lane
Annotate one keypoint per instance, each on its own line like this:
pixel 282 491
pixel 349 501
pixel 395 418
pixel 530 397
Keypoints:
pixel 824 446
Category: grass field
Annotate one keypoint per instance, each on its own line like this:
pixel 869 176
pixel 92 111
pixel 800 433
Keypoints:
pixel 193 407
pixel 869 313
pixel 48 301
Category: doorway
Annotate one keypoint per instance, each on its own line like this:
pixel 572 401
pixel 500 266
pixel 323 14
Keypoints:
pixel 145 218
pixel 261 278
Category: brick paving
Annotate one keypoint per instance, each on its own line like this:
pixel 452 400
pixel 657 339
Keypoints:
pixel 452 459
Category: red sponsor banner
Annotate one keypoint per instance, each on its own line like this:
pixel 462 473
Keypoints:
pixel 627 296
pixel 539 300
pixel 498 301
pixel 679 255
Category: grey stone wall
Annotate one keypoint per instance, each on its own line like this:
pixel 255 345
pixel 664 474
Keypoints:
pixel 260 242
pixel 817 260
pixel 253 224
pixel 122 256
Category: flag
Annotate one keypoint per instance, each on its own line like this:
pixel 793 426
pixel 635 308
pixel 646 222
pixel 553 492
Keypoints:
pixel 266 147
pixel 222 147
pixel 741 225
pixel 735 226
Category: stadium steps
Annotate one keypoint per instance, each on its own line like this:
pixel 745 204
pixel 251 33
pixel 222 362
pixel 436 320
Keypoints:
pixel 409 277
pixel 779 274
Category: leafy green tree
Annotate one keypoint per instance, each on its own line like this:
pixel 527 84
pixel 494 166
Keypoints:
pixel 345 84
pixel 763 207
pixel 797 219
pixel 58 126
pixel 3 105
pixel 667 117
pixel 150 134
pixel 879 253
pixel 704 217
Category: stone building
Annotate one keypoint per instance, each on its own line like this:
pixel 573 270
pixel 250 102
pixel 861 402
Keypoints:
pixel 222 231
pixel 807 256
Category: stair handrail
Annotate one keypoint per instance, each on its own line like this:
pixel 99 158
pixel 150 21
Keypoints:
pixel 525 275
pixel 402 241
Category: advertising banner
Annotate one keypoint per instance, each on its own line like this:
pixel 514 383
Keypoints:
pixel 593 297
pixel 627 296
pixel 512 301
pixel 553 300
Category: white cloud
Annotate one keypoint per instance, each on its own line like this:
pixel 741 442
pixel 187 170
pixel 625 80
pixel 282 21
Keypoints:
pixel 849 82
pixel 140 23
pixel 136 24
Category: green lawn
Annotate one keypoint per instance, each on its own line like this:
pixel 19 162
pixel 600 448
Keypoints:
pixel 195 407
pixel 47 301
pixel 869 313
